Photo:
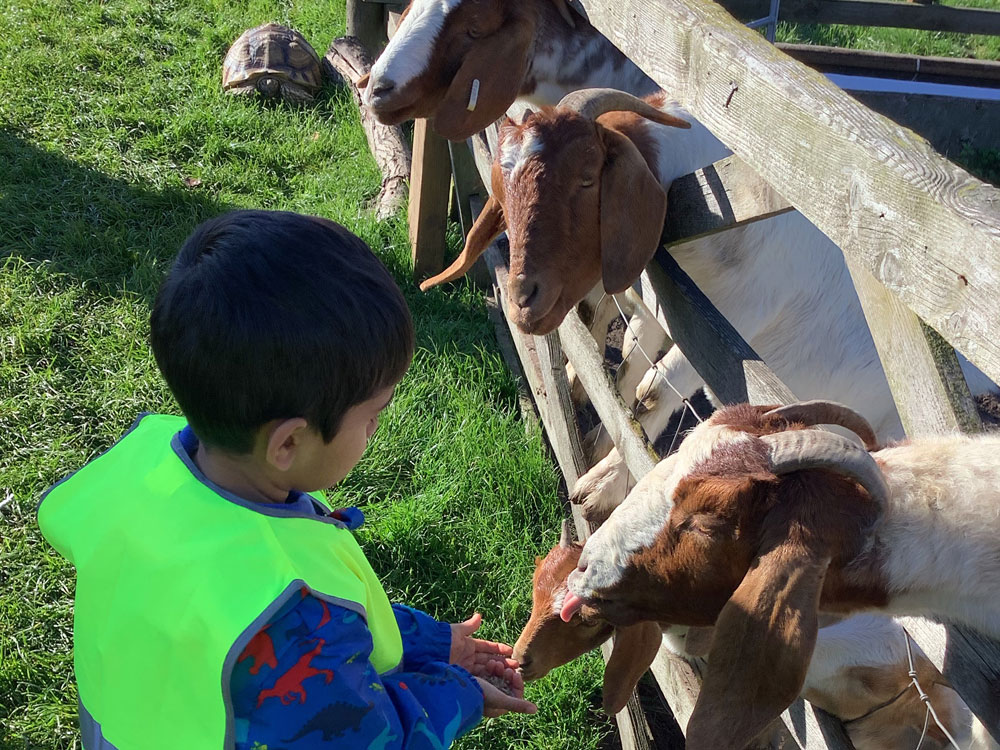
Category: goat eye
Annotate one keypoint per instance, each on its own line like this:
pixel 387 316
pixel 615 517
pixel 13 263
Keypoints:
pixel 474 32
pixel 700 525
pixel 587 183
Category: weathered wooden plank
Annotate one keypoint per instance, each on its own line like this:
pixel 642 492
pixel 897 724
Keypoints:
pixel 923 372
pixel 430 183
pixel 969 660
pixel 562 426
pixel 874 13
pixel 729 366
pixel 866 62
pixel 924 227
pixel 467 181
pixel 625 430
pixel 724 195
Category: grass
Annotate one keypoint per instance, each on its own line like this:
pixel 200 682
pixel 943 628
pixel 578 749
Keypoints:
pixel 910 41
pixel 108 109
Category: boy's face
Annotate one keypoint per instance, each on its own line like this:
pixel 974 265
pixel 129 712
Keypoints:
pixel 324 464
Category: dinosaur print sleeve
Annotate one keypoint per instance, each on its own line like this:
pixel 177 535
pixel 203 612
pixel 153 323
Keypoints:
pixel 424 638
pixel 305 682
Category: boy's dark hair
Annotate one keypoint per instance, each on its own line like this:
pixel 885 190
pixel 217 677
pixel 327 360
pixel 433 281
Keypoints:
pixel 273 315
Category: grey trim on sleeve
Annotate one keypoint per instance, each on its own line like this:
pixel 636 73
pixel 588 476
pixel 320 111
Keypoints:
pixel 277 510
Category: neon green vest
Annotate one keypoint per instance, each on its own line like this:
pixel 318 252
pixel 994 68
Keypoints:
pixel 174 578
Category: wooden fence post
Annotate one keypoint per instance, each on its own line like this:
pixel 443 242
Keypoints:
pixel 366 21
pixel 430 182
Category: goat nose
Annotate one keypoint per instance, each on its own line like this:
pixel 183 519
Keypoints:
pixel 524 290
pixel 382 86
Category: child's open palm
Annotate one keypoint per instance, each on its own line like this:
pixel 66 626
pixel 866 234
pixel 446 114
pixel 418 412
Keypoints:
pixel 475 654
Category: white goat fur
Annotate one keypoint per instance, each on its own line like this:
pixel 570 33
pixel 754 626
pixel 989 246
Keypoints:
pixel 938 541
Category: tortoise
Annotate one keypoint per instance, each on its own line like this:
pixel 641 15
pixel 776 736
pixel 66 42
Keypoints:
pixel 272 61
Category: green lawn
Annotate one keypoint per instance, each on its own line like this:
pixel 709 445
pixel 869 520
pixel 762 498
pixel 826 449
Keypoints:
pixel 909 41
pixel 107 108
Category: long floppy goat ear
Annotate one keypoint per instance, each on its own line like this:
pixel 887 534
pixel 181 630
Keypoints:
pixel 490 223
pixel 633 651
pixel 633 208
pixel 764 639
pixel 487 83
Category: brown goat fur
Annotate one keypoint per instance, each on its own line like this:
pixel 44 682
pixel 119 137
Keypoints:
pixel 753 553
pixel 879 704
pixel 580 204
pixel 547 642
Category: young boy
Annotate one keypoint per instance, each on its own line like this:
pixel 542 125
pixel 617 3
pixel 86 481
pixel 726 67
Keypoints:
pixel 219 601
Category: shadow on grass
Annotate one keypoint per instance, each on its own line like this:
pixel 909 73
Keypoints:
pixel 110 235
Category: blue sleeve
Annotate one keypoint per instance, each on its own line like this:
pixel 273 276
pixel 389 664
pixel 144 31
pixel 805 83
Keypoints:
pixel 424 638
pixel 305 682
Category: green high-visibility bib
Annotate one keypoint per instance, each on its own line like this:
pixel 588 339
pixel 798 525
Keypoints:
pixel 174 578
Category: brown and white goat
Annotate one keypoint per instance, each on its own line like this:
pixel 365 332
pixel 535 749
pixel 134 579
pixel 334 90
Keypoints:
pixel 858 671
pixel 759 523
pixel 464 62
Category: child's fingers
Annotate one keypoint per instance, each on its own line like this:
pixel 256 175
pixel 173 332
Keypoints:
pixel 512 703
pixel 470 626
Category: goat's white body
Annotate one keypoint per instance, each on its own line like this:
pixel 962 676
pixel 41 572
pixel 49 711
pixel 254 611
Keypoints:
pixel 940 538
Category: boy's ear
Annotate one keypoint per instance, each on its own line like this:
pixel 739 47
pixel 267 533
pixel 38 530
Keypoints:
pixel 284 441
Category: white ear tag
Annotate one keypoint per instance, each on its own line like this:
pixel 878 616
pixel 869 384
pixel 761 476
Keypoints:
pixel 474 96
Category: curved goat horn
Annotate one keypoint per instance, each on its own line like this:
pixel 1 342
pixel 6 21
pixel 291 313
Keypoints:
pixel 828 412
pixel 564 12
pixel 798 450
pixel 566 537
pixel 592 103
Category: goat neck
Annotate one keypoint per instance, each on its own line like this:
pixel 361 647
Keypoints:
pixel 680 152
pixel 566 60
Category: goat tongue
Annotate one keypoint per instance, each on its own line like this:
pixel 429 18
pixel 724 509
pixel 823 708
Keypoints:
pixel 571 605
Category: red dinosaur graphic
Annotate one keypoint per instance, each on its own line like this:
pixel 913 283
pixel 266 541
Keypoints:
pixel 326 615
pixel 261 648
pixel 290 683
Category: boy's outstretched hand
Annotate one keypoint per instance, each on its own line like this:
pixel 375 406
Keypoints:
pixel 497 701
pixel 475 654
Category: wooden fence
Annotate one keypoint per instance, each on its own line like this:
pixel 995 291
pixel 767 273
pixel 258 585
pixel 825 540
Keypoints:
pixel 921 238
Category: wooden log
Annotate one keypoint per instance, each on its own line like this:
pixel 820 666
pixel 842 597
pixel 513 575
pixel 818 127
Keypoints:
pixel 430 183
pixel 349 58
pixel 874 13
pixel 924 227
pixel 366 21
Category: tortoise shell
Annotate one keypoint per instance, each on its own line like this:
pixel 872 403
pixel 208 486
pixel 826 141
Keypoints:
pixel 272 61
